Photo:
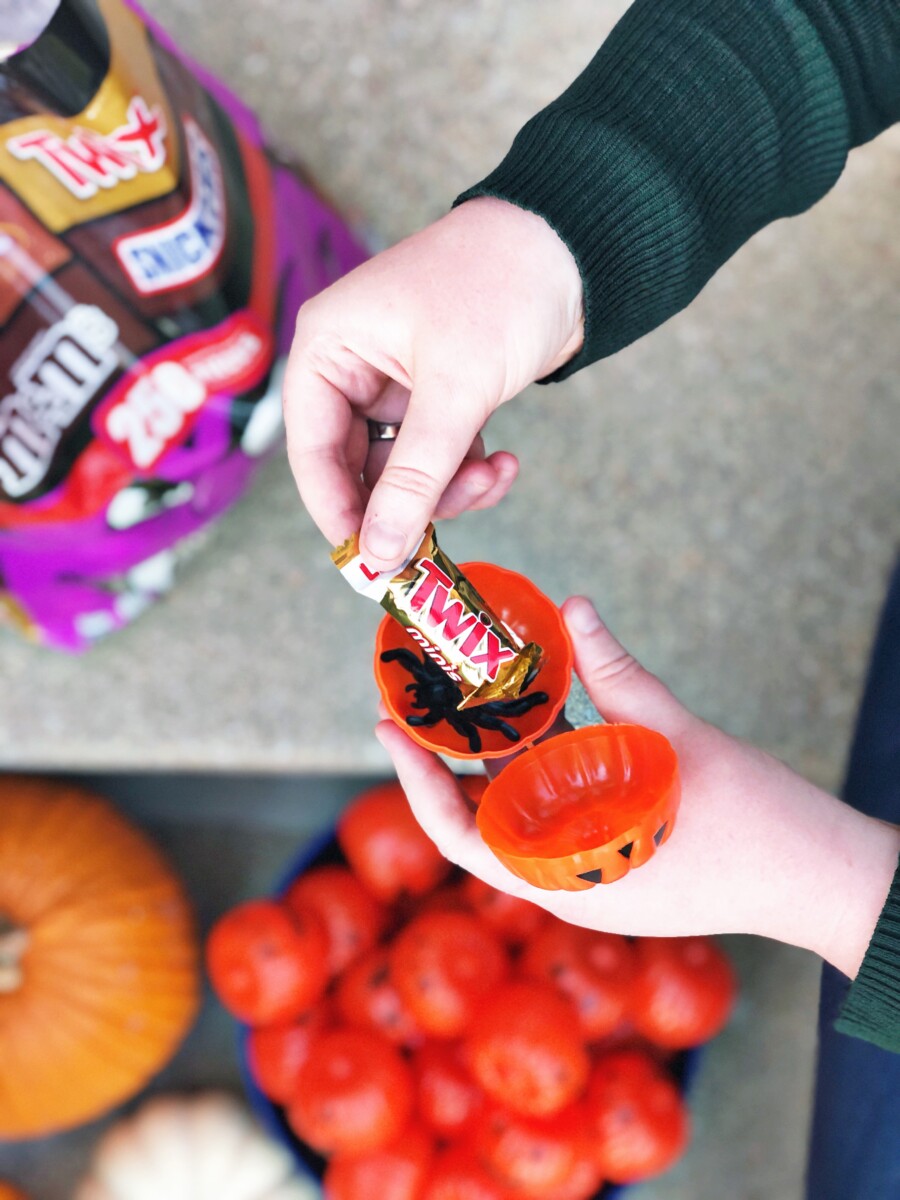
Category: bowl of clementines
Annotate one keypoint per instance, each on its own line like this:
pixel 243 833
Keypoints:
pixel 411 1033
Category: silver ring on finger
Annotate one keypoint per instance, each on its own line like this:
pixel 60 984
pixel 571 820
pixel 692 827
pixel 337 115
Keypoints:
pixel 383 431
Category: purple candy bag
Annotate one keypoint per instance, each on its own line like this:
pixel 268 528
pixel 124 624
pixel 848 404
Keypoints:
pixel 152 260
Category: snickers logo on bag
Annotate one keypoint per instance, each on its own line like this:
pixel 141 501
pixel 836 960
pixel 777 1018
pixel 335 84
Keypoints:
pixel 186 248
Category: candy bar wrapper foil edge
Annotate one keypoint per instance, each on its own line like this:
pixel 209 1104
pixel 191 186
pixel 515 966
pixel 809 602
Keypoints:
pixel 395 593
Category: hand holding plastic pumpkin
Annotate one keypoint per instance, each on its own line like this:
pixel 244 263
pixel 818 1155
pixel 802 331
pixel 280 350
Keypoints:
pixel 754 843
pixel 573 808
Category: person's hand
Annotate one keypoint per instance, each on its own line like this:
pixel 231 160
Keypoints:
pixel 436 332
pixel 755 849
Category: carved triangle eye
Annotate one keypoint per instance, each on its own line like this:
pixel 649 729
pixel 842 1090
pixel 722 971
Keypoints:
pixel 660 833
pixel 625 851
pixel 592 876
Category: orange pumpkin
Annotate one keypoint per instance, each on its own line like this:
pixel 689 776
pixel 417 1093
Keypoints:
pixel 9 1191
pixel 98 958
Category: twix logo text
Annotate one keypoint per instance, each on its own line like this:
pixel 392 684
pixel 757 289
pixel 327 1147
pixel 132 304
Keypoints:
pixel 473 632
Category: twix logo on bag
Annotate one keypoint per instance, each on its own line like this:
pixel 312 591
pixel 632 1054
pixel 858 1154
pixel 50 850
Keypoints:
pixel 86 160
pixel 122 149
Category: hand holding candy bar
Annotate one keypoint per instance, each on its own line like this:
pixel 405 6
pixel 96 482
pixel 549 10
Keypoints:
pixel 756 849
pixel 436 332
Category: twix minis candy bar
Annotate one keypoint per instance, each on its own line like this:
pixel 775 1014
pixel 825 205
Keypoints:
pixel 446 617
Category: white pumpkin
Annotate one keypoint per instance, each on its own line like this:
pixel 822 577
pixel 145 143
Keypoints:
pixel 203 1147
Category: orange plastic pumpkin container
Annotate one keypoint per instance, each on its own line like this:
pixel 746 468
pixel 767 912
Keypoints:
pixel 531 615
pixel 583 807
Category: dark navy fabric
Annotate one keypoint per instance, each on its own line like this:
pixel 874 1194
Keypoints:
pixel 855 1144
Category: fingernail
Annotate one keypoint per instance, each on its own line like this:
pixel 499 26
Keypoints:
pixel 582 616
pixel 384 541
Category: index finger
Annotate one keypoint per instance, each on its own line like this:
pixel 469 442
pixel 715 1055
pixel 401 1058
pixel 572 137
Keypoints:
pixel 319 425
pixel 435 436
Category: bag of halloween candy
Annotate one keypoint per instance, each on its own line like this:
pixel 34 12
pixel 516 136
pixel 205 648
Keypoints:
pixel 152 259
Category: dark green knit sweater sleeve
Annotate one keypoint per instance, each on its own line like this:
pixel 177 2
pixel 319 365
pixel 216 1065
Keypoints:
pixel 872 1008
pixel 697 123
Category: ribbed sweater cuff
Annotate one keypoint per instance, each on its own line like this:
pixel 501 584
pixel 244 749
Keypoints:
pixel 872 1008
pixel 696 124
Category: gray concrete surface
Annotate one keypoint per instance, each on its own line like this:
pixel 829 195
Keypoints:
pixel 727 489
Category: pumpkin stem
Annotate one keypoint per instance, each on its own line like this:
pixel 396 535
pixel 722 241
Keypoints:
pixel 13 943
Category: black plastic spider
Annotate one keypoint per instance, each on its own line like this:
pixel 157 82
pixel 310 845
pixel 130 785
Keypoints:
pixel 437 693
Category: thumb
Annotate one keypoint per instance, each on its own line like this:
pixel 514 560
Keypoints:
pixel 433 440
pixel 615 681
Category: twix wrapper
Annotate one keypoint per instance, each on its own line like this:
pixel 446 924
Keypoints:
pixel 442 612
